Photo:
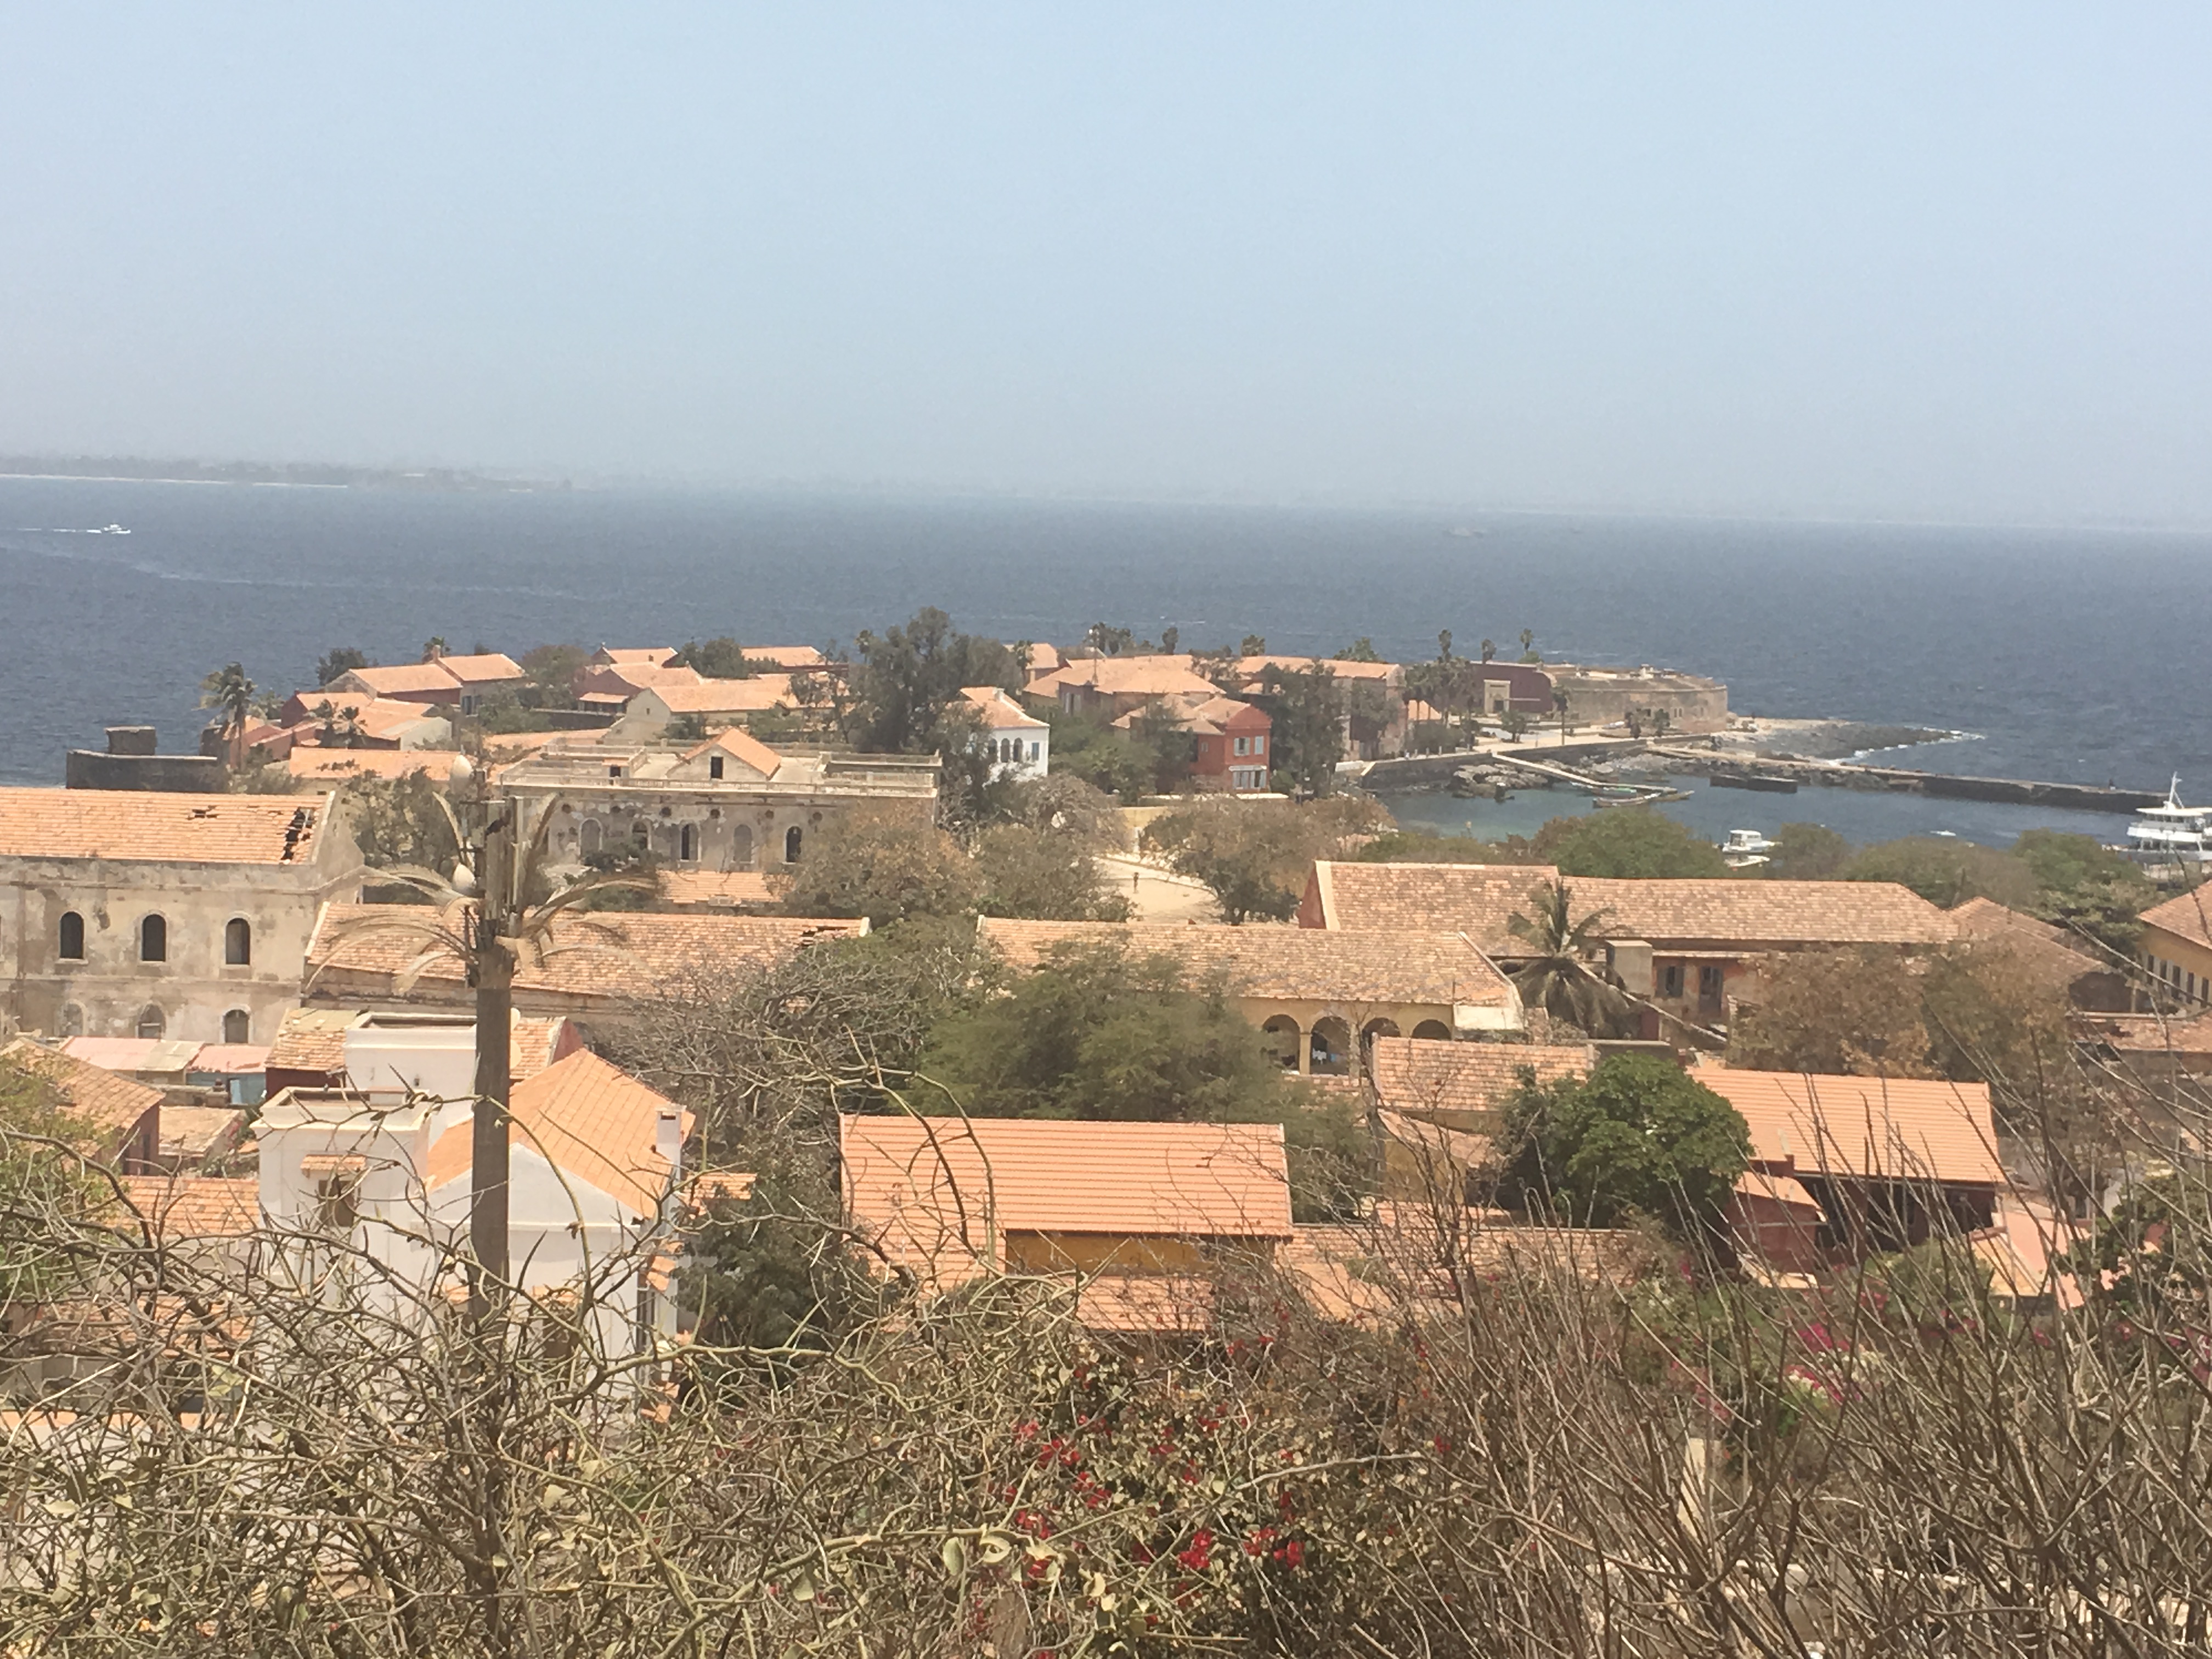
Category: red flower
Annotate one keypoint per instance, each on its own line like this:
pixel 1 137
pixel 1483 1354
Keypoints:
pixel 1292 1555
pixel 1200 1555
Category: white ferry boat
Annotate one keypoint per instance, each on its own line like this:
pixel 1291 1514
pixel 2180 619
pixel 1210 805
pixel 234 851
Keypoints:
pixel 2172 835
pixel 1745 848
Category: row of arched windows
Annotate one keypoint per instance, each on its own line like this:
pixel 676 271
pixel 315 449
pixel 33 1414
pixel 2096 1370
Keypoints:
pixel 154 1025
pixel 681 841
pixel 153 939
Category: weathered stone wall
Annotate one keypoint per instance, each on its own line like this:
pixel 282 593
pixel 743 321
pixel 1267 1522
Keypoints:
pixel 188 775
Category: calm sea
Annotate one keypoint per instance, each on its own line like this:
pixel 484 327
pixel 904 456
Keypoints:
pixel 2076 655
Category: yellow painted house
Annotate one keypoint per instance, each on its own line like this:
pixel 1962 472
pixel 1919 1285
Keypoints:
pixel 2177 947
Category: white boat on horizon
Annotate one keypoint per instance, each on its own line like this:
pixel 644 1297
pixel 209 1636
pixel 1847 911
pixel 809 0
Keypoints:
pixel 2170 835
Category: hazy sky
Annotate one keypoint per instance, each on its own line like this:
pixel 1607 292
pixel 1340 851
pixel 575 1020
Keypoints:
pixel 1951 260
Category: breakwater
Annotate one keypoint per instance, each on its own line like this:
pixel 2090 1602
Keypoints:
pixel 1848 774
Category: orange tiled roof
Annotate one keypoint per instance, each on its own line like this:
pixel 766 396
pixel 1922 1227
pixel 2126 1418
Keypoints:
pixel 1141 677
pixel 156 826
pixel 626 677
pixel 2055 955
pixel 1482 898
pixel 623 656
pixel 482 668
pixel 762 691
pixel 2155 1034
pixel 745 747
pixel 191 1133
pixel 396 679
pixel 1253 667
pixel 937 1195
pixel 582 1115
pixel 196 1206
pixel 335 765
pixel 2186 915
pixel 1894 1128
pixel 610 956
pixel 998 710
pixel 1285 962
pixel 795 657
pixel 313 1040
pixel 1467 1083
pixel 101 1097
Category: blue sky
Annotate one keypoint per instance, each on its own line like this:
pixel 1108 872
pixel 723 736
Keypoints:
pixel 1947 262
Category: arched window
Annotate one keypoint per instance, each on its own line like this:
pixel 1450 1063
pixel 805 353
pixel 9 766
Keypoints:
pixel 741 847
pixel 1281 1034
pixel 237 1026
pixel 237 942
pixel 1332 1047
pixel 687 843
pixel 152 1021
pixel 713 766
pixel 1432 1031
pixel 72 1020
pixel 791 839
pixel 591 837
pixel 641 834
pixel 69 946
pixel 153 940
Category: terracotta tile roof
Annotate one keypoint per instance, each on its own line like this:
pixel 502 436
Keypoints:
pixel 610 956
pixel 127 1055
pixel 156 826
pixel 100 1098
pixel 195 1205
pixel 1482 898
pixel 1282 962
pixel 937 1195
pixel 1140 677
pixel 387 720
pixel 1208 715
pixel 627 678
pixel 313 1040
pixel 335 765
pixel 2055 955
pixel 745 747
pixel 1044 659
pixel 794 658
pixel 2185 915
pixel 482 669
pixel 998 710
pixel 584 1116
pixel 712 887
pixel 1897 1128
pixel 621 656
pixel 1253 667
pixel 1467 1084
pixel 392 680
pixel 762 691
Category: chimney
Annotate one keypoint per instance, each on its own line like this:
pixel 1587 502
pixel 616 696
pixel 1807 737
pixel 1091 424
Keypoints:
pixel 131 740
pixel 668 1141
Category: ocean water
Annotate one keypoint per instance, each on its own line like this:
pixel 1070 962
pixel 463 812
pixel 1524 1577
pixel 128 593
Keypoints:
pixel 2073 655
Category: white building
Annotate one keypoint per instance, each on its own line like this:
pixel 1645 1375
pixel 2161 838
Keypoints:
pixel 386 1165
pixel 148 914
pixel 1019 742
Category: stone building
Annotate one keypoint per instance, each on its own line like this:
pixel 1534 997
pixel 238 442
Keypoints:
pixel 160 914
pixel 725 803
pixel 1603 697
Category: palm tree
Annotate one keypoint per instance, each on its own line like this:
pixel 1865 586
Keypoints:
pixel 1559 702
pixel 1489 649
pixel 486 917
pixel 1557 977
pixel 231 693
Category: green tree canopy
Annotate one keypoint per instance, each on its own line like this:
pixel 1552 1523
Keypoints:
pixel 1308 708
pixel 338 659
pixel 882 863
pixel 1254 855
pixel 2086 887
pixel 1099 1034
pixel 1043 875
pixel 1946 872
pixel 1638 1137
pixel 718 659
pixel 908 677
pixel 1807 852
pixel 1626 841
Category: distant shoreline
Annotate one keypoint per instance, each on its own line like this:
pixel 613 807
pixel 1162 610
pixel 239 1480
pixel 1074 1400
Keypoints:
pixel 118 469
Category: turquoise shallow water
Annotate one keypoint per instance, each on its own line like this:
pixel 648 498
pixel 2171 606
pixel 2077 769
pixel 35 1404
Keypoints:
pixel 1859 817
pixel 2076 656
